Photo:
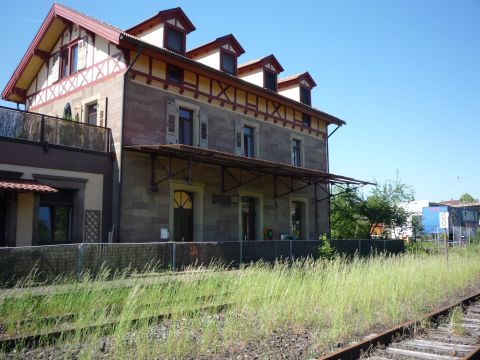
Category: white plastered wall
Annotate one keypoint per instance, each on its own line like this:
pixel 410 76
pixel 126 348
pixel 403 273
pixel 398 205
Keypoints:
pixel 255 77
pixel 153 35
pixel 291 92
pixel 211 59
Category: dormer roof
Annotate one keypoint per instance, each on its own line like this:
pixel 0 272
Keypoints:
pixel 260 63
pixel 216 44
pixel 163 16
pixel 297 79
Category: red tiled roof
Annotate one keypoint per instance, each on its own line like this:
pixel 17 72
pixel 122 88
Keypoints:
pixel 296 79
pixel 25 185
pixel 253 64
pixel 216 44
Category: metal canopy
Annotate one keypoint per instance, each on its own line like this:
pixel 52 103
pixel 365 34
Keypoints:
pixel 253 168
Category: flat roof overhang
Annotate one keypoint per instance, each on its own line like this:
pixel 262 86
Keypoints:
pixel 258 166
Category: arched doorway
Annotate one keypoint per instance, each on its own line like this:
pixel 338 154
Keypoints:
pixel 182 216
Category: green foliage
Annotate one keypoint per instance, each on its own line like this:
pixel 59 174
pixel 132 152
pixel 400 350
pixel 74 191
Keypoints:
pixel 354 215
pixel 417 227
pixel 325 250
pixel 423 247
pixel 467 199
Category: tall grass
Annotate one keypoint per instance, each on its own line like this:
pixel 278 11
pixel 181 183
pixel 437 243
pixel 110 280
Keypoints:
pixel 332 300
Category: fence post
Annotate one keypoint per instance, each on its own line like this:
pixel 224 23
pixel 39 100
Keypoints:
pixel 80 260
pixel 291 254
pixel 42 129
pixel 173 256
pixel 241 253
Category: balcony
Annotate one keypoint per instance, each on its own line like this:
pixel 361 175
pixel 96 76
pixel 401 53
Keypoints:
pixel 29 126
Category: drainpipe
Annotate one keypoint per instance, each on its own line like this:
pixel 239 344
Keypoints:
pixel 120 170
pixel 329 186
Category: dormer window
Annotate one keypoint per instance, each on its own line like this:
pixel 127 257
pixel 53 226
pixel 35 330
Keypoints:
pixel 269 80
pixel 174 40
pixel 168 29
pixel 228 62
pixel 262 72
pixel 305 96
pixel 221 54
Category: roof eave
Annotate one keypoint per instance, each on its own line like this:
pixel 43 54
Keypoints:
pixel 68 14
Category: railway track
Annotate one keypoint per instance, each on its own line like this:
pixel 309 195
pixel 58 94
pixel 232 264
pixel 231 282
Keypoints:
pixel 446 339
pixel 8 343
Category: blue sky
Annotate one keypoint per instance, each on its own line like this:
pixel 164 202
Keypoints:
pixel 404 75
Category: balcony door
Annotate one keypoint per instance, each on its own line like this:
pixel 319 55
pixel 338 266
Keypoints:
pixel 182 216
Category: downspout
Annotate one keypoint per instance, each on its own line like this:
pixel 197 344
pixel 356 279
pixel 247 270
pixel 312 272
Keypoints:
pixel 329 186
pixel 120 170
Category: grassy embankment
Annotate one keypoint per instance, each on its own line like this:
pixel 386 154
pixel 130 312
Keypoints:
pixel 334 300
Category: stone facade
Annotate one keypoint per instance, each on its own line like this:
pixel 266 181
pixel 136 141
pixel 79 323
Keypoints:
pixel 144 212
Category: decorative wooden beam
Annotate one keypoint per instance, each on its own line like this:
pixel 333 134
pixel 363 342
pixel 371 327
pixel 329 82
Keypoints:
pixel 19 92
pixel 41 54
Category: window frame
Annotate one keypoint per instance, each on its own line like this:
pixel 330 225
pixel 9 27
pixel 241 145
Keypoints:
pixel 226 52
pixel 87 113
pixel 67 47
pixel 304 117
pixel 271 72
pixel 62 74
pixel 180 123
pixel 253 138
pixel 309 97
pixel 166 29
pixel 298 150
pixel 174 67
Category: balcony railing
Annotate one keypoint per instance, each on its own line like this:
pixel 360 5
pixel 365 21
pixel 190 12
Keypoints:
pixel 25 125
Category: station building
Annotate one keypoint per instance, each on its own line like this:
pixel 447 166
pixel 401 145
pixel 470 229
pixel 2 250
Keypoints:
pixel 127 136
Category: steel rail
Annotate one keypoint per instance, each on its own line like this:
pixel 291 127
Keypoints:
pixel 8 343
pixel 355 351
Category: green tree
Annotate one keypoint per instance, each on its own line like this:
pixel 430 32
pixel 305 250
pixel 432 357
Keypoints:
pixel 417 227
pixel 467 198
pixel 354 215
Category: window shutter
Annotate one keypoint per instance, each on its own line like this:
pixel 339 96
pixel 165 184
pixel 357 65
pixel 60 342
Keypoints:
pixel 102 111
pixel 82 54
pixel 238 137
pixel 55 67
pixel 171 122
pixel 203 130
